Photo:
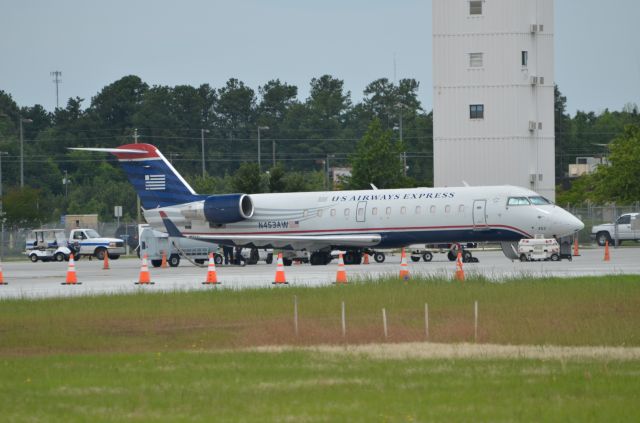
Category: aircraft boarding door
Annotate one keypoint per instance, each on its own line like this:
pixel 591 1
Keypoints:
pixel 479 215
pixel 361 211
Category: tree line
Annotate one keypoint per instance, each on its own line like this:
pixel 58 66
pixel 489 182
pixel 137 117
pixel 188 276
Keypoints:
pixel 387 138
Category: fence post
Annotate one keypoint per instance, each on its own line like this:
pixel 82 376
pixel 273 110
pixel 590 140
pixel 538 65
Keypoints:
pixel 426 320
pixel 344 322
pixel 475 325
pixel 384 322
pixel 295 314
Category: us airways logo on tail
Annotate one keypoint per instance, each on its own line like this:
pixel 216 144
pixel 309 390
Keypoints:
pixel 155 182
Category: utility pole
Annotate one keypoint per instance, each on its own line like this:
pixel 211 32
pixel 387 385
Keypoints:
pixel 273 152
pixel 22 151
pixel 2 153
pixel 263 128
pixel 202 132
pixel 139 216
pixel 56 80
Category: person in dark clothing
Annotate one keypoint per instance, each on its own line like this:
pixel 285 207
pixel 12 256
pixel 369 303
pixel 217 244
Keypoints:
pixel 239 258
pixel 228 254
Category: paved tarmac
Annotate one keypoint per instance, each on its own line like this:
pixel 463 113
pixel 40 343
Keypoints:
pixel 36 280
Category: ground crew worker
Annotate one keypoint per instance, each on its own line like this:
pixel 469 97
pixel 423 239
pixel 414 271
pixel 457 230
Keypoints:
pixel 228 254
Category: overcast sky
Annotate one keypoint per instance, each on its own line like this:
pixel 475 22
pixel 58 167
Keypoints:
pixel 192 42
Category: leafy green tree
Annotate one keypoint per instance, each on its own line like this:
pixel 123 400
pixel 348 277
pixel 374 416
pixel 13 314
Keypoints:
pixel 247 179
pixel 377 160
pixel 562 134
pixel 620 181
pixel 115 106
pixel 22 207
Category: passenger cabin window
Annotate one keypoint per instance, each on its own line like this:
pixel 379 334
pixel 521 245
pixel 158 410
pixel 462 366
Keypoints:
pixel 475 60
pixel 475 7
pixel 476 111
pixel 346 212
pixel 539 201
pixel 319 213
pixel 333 212
pixel 305 213
pixel 374 211
pixel 418 209
pixel 447 209
pixel 461 208
pixel 388 211
pixel 518 201
pixel 433 209
pixel 403 210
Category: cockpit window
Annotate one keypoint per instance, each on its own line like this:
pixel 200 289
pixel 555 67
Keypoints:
pixel 518 201
pixel 539 201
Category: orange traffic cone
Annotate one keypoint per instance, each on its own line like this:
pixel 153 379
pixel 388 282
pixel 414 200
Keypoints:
pixel 459 270
pixel 404 267
pixel 366 259
pixel 105 265
pixel 164 260
pixel 280 278
pixel 341 276
pixel 575 247
pixel 607 257
pixel 2 282
pixel 145 277
pixel 212 277
pixel 72 278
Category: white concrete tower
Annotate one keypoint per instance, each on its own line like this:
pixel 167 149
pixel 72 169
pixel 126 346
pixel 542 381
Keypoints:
pixel 493 93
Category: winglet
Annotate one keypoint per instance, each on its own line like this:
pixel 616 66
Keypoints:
pixel 172 229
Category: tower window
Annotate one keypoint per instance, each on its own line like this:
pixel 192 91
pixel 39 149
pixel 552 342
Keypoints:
pixel 525 58
pixel 475 7
pixel 476 111
pixel 475 60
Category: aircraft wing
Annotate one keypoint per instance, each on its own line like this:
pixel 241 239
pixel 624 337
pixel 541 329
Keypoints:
pixel 294 242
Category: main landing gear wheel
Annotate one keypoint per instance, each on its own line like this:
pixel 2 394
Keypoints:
pixel 320 258
pixel 379 257
pixel 428 256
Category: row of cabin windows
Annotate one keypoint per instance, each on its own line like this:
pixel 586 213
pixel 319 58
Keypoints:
pixel 476 60
pixel 387 211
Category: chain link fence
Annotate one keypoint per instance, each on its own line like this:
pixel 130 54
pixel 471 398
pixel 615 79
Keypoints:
pixel 15 238
pixel 591 215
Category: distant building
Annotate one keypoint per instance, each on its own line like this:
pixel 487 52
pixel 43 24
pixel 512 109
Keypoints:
pixel 338 174
pixel 493 70
pixel 84 221
pixel 586 166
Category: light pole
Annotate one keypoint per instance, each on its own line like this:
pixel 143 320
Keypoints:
pixel 22 151
pixel 328 171
pixel 2 153
pixel 260 128
pixel 404 154
pixel 202 132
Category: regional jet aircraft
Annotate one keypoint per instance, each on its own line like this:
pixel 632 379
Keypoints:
pixel 355 221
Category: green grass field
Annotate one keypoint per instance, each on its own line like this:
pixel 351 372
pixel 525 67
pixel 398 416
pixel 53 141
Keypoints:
pixel 184 356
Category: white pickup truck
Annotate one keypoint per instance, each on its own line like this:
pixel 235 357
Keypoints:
pixel 88 242
pixel 626 228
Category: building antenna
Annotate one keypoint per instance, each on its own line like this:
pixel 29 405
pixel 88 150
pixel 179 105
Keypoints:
pixel 56 80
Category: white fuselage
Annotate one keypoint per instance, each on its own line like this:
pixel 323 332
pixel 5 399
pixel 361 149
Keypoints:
pixel 400 216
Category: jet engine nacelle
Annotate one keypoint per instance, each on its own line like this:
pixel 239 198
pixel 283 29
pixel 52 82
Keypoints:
pixel 221 209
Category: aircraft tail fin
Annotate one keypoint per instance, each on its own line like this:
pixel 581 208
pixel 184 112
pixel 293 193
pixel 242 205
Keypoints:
pixel 156 181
